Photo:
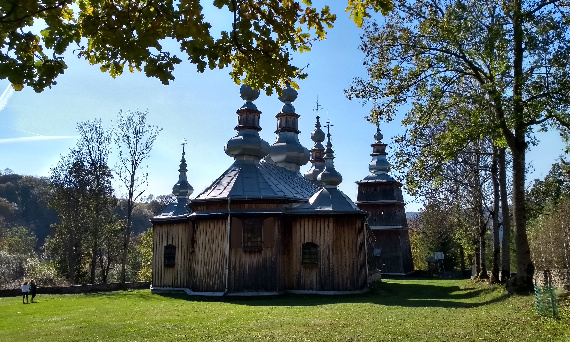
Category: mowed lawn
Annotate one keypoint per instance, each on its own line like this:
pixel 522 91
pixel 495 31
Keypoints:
pixel 399 310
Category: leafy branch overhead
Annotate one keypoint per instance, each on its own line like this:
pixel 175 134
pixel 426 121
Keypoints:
pixel 132 34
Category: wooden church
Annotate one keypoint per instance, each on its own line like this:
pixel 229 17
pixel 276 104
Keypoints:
pixel 262 227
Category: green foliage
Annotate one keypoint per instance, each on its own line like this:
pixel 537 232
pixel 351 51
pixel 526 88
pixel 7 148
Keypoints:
pixel 496 66
pixel 83 197
pixel 436 231
pixel 18 240
pixel 134 139
pixel 555 186
pixel 125 34
pixel 23 202
pixel 145 251
pixel 550 236
pixel 399 310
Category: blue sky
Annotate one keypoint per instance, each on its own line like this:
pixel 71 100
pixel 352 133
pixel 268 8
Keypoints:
pixel 37 129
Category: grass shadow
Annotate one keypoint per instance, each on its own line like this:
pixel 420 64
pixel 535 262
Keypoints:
pixel 397 293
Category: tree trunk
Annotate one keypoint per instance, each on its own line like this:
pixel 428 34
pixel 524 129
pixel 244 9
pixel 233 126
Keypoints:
pixel 496 208
pixel 506 220
pixel 462 259
pixel 525 267
pixel 518 145
pixel 482 226
pixel 477 261
pixel 127 236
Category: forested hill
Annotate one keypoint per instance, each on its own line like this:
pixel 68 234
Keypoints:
pixel 24 202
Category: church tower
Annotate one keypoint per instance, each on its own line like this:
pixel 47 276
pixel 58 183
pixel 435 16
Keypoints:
pixel 381 196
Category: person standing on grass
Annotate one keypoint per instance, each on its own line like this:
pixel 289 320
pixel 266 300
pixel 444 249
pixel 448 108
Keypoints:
pixel 25 290
pixel 33 289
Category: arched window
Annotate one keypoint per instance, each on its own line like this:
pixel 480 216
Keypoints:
pixel 310 254
pixel 169 255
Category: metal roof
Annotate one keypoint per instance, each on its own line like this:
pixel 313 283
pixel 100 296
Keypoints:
pixel 248 179
pixel 174 211
pixel 328 200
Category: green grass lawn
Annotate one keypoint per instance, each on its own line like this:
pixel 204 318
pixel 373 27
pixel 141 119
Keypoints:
pixel 399 310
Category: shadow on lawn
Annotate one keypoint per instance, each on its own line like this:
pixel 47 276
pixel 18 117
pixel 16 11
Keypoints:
pixel 387 293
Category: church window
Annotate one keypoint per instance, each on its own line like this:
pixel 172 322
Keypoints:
pixel 253 234
pixel 310 254
pixel 169 255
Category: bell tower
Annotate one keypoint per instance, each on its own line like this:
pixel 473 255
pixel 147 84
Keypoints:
pixel 381 196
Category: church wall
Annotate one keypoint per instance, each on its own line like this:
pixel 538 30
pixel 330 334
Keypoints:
pixel 208 258
pixel 341 254
pixel 255 270
pixel 178 235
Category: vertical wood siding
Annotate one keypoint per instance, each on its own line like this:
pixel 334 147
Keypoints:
pixel 177 234
pixel 342 256
pixel 208 262
pixel 254 270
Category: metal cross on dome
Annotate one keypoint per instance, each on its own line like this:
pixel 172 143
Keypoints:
pixel 328 126
pixel 318 106
pixel 183 144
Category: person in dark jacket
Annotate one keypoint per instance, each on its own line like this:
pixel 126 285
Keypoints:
pixel 33 289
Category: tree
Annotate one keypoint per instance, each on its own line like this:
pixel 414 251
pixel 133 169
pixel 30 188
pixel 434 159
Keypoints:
pixel 83 197
pixel 123 33
pixel 514 55
pixel 134 139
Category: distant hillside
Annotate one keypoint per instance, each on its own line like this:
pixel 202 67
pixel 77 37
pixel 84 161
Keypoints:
pixel 24 202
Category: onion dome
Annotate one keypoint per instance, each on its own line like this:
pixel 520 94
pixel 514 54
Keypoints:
pixel 379 166
pixel 247 145
pixel 330 178
pixel 287 151
pixel 317 153
pixel 182 189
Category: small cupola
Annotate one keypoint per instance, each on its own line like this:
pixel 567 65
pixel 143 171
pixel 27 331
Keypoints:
pixel 287 151
pixel 330 177
pixel 317 153
pixel 182 189
pixel 247 144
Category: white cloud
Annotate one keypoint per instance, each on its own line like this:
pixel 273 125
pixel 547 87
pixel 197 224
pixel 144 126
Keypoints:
pixel 8 92
pixel 36 138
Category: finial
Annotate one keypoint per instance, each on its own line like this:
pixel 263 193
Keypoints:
pixel 328 126
pixel 378 136
pixel 183 143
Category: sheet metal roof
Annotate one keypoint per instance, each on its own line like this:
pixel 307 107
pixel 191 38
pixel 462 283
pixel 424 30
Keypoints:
pixel 248 179
pixel 328 200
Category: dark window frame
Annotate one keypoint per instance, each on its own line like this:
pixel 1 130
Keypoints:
pixel 169 255
pixel 310 254
pixel 252 234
